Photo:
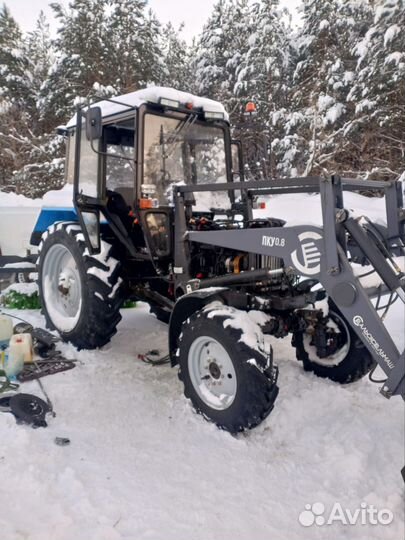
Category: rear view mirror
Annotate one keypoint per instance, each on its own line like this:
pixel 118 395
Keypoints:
pixel 94 123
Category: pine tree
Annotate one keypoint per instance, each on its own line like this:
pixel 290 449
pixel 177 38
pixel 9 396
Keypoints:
pixel 214 50
pixel 262 76
pixel 11 93
pixel 134 56
pixel 39 54
pixel 30 157
pixel 12 64
pixel 379 92
pixel 176 58
pixel 80 58
pixel 324 72
pixel 41 150
pixel 124 26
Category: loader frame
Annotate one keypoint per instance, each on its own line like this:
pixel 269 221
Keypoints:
pixel 314 252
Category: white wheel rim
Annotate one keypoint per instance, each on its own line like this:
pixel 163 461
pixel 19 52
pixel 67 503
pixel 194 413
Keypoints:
pixel 334 359
pixel 212 373
pixel 62 288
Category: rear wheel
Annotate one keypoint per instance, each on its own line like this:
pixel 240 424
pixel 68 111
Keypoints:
pixel 80 294
pixel 227 381
pixel 348 359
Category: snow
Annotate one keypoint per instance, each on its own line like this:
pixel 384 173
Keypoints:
pixel 334 113
pixel 285 207
pixel 142 465
pixel 248 323
pixel 153 94
pixel 390 34
pixel 109 262
pixel 18 215
pixel 395 57
pixel 28 289
pixel 56 198
pixel 19 265
pixel 325 101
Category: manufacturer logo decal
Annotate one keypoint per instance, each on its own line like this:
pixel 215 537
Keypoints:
pixel 310 255
pixel 359 321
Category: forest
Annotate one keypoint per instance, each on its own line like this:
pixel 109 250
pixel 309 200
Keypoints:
pixel 329 93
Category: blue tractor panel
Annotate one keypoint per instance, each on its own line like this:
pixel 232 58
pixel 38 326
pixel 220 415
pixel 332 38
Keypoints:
pixel 48 217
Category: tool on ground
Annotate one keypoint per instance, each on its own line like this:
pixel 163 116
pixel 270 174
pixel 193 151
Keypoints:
pixel 26 408
pixel 152 357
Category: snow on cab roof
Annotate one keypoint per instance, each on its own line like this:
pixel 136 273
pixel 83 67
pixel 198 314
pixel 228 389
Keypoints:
pixel 153 94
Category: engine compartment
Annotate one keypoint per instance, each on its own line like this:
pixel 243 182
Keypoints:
pixel 208 261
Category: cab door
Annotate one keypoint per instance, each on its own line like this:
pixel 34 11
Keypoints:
pixel 88 196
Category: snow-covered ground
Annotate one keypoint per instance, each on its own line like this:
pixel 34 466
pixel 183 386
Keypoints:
pixel 142 465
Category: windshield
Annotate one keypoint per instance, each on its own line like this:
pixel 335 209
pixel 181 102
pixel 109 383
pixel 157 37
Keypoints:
pixel 183 151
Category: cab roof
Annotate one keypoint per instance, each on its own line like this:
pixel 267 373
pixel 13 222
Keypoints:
pixel 154 94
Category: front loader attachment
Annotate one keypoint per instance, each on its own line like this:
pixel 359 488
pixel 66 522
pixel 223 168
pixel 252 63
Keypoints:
pixel 325 254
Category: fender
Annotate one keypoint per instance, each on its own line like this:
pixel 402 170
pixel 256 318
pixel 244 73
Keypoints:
pixel 49 216
pixel 186 306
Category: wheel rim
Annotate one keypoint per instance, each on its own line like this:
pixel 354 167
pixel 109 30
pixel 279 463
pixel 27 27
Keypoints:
pixel 62 288
pixel 336 358
pixel 212 373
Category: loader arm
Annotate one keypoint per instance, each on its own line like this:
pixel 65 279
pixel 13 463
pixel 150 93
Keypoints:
pixel 321 253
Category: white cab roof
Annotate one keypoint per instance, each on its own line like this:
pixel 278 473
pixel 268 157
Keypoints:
pixel 152 95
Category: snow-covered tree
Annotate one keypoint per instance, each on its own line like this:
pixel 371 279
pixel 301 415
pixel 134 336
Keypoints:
pixel 132 37
pixel 315 123
pixel 12 65
pixel 176 58
pixel 80 57
pixel 30 154
pixel 11 91
pixel 262 76
pixel 212 64
pixel 379 93
pixel 39 55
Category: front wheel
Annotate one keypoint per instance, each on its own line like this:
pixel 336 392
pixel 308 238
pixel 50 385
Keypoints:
pixel 346 358
pixel 227 380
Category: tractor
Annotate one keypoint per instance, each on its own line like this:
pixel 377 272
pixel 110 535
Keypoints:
pixel 162 213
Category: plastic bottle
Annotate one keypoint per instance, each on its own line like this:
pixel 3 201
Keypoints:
pixel 23 342
pixel 14 361
pixel 6 330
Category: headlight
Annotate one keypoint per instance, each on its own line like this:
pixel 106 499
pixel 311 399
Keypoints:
pixel 214 115
pixel 169 102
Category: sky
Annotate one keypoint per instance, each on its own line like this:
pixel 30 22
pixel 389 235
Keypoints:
pixel 193 13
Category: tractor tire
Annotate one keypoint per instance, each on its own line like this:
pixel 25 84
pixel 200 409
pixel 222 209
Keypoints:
pixel 227 381
pixel 80 294
pixel 348 364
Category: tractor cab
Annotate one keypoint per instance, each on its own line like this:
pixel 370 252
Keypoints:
pixel 126 154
